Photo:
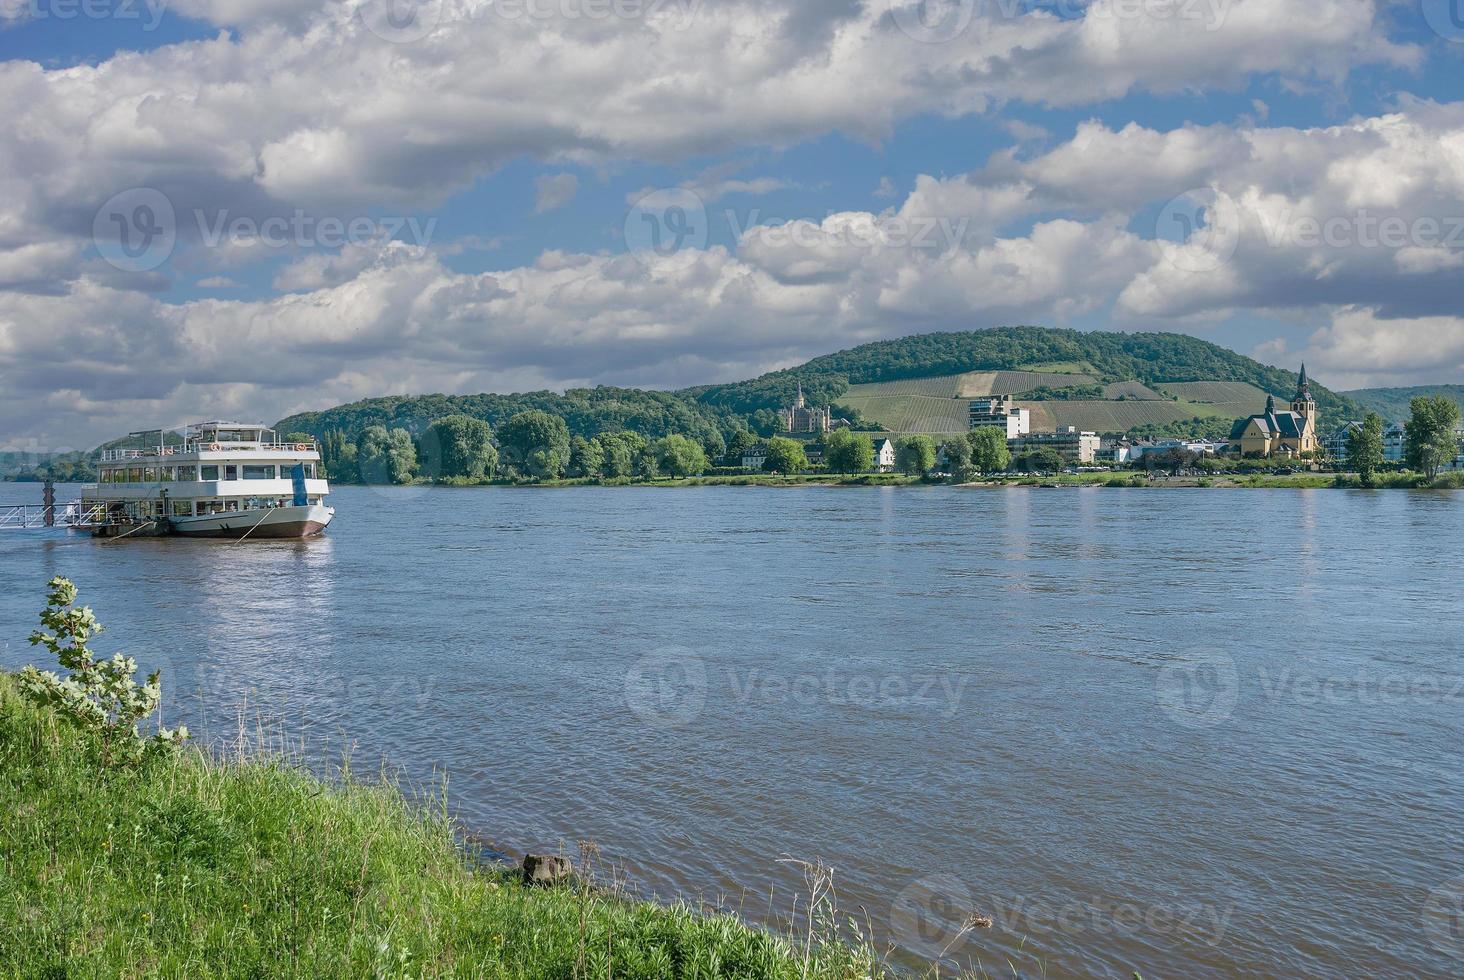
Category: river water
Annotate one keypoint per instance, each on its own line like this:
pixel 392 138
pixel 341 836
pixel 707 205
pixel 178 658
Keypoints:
pixel 1184 732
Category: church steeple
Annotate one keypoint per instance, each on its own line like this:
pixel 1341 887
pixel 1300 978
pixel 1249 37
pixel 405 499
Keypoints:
pixel 1303 403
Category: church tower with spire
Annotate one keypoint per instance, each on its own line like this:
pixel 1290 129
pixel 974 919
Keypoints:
pixel 1303 403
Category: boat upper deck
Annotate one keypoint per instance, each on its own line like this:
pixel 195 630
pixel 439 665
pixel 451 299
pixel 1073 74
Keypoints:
pixel 216 440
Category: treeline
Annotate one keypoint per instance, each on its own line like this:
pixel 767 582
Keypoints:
pixel 63 468
pixel 530 446
pixel 586 412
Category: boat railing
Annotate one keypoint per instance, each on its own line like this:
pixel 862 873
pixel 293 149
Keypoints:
pixel 159 452
pixel 28 517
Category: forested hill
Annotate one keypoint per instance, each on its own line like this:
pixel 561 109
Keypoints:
pixel 1393 403
pixel 586 412
pixel 1147 357
pixel 697 412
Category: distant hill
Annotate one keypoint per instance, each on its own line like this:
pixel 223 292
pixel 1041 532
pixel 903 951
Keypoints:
pixel 914 383
pixel 1392 403
pixel 864 378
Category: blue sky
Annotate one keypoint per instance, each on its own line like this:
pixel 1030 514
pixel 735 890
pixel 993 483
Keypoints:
pixel 1217 167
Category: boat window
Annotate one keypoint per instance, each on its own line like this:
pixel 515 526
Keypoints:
pixel 187 474
pixel 149 474
pixel 165 474
pixel 231 472
pixel 134 475
pixel 182 508
pixel 259 472
pixel 210 472
pixel 231 504
pixel 309 471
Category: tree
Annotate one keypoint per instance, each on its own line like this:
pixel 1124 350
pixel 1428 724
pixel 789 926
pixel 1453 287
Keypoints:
pixel 1043 460
pixel 586 457
pixel 957 453
pixel 738 444
pixel 679 456
pixel 620 451
pixel 1174 459
pixel 1365 448
pixel 915 455
pixel 989 453
pixel 848 452
pixel 785 456
pixel 458 447
pixel 1429 436
pixel 385 456
pixel 536 444
pixel 712 444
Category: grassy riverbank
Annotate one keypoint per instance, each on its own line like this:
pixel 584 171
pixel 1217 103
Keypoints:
pixel 202 866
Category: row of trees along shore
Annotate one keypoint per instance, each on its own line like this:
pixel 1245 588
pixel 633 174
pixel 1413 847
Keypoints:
pixel 536 445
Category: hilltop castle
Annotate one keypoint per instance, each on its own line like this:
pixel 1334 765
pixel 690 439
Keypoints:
pixel 1274 433
pixel 800 418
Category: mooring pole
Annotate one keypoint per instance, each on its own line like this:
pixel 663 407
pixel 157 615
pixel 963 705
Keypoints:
pixel 48 498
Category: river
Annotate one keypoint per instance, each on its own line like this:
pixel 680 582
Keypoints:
pixel 1184 732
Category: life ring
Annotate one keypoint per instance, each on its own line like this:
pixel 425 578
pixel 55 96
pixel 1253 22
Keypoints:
pixel 213 447
pixel 302 447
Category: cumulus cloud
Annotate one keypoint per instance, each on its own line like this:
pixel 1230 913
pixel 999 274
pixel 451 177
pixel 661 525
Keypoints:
pixel 328 109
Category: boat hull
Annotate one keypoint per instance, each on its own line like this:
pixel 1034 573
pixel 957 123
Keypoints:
pixel 282 522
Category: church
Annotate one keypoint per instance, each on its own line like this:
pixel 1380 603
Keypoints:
pixel 1286 434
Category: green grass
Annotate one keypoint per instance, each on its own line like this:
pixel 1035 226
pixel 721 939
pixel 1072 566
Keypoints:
pixel 200 866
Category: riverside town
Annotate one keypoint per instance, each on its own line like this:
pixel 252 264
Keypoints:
pixel 753 490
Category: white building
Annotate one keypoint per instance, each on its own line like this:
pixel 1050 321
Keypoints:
pixel 884 455
pixel 1000 412
pixel 754 457
pixel 1073 445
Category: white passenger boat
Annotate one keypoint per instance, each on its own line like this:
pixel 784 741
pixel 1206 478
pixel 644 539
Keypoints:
pixel 219 480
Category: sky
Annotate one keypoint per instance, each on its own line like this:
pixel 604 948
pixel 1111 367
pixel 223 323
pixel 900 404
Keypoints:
pixel 248 208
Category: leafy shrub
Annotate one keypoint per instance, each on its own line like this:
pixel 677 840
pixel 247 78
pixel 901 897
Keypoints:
pixel 100 697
